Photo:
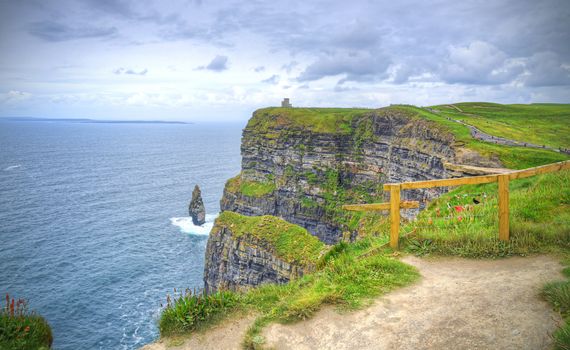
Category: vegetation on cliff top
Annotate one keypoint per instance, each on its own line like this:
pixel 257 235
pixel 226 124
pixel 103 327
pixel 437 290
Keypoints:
pixel 250 188
pixel 322 120
pixel 190 311
pixel 22 329
pixel 289 242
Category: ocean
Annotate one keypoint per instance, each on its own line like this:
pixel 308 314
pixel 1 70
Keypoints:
pixel 94 225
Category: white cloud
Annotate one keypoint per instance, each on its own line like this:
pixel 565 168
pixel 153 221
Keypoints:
pixel 14 96
pixel 478 63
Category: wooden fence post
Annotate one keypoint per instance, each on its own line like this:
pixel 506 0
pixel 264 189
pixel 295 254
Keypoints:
pixel 503 207
pixel 394 215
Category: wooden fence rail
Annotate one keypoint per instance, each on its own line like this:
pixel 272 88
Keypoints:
pixel 503 180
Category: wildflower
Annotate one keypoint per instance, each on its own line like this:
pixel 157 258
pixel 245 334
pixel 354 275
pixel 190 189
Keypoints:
pixel 430 221
pixel 459 218
pixel 458 208
pixel 27 329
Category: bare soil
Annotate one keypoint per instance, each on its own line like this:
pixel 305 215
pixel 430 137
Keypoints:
pixel 458 304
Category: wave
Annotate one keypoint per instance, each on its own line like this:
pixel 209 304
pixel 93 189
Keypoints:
pixel 12 167
pixel 186 226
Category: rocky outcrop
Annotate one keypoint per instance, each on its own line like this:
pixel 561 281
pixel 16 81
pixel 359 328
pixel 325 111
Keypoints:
pixel 196 208
pixel 315 169
pixel 242 252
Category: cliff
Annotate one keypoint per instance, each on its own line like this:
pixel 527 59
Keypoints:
pixel 299 166
pixel 302 164
pixel 247 251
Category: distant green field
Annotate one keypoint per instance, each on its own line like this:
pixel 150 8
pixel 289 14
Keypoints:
pixel 511 157
pixel 542 124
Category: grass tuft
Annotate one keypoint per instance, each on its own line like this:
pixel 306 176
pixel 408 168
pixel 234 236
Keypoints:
pixel 190 311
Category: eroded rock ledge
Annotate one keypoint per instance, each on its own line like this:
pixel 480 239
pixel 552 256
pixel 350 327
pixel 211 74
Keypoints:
pixel 248 251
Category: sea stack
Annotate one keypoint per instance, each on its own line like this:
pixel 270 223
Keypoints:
pixel 196 207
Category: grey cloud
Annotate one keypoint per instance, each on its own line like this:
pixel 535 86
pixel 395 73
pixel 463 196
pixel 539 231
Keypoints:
pixel 546 69
pixel 54 31
pixel 128 10
pixel 343 88
pixel 354 67
pixel 259 69
pixel 130 71
pixel 274 79
pixel 218 64
pixel 116 7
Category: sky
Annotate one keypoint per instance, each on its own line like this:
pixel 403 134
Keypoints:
pixel 203 60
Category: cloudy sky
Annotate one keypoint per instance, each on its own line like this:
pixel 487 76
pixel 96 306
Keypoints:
pixel 220 60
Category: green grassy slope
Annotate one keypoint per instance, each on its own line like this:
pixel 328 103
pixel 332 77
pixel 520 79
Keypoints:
pixel 454 225
pixel 542 124
pixel 511 157
pixel 290 242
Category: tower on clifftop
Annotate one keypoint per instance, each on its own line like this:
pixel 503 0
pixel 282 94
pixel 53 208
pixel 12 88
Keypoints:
pixel 285 103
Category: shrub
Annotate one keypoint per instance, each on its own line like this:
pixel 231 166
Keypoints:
pixel 21 328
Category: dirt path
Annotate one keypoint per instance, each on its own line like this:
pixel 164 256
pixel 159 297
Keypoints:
pixel 458 304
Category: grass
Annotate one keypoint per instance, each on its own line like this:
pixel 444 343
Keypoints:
pixel 321 120
pixel 289 242
pixel 542 124
pixel 558 295
pixel 250 188
pixel 21 329
pixel 511 157
pixel 454 225
pixel 190 311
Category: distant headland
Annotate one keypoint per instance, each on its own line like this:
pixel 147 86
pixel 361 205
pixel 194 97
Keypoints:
pixel 91 121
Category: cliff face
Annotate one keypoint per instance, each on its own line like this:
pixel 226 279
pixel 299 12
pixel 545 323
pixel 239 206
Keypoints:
pixel 299 166
pixel 303 172
pixel 244 252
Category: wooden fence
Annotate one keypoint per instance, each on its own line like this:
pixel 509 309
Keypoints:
pixel 395 204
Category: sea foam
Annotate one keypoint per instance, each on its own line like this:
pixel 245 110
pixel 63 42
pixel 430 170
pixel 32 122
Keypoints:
pixel 186 226
pixel 12 167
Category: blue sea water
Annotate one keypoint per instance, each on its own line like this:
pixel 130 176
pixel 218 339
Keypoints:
pixel 93 221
